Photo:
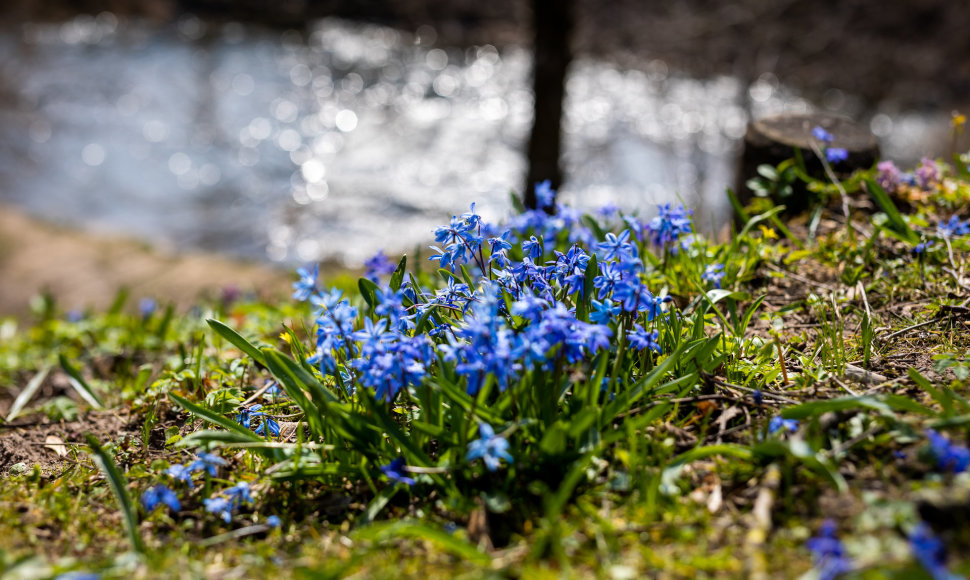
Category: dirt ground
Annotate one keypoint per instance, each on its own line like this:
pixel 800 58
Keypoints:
pixel 82 270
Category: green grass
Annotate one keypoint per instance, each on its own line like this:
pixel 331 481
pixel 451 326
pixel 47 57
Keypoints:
pixel 625 462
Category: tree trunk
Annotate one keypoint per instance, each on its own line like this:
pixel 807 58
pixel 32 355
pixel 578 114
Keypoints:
pixel 553 23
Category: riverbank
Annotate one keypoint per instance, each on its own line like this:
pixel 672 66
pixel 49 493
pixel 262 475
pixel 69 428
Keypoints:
pixel 85 271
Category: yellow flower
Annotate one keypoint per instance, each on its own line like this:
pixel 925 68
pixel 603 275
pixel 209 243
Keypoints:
pixel 767 233
pixel 959 120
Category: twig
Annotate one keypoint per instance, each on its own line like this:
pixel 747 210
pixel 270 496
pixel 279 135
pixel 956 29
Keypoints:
pixel 235 535
pixel 259 393
pixel 852 442
pixel 933 320
pixel 844 386
pixel 749 390
pixel 696 399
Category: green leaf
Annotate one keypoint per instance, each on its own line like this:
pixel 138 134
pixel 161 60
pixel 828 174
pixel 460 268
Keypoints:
pixel 368 290
pixel 748 314
pixel 236 340
pixel 229 438
pixel 119 302
pixel 718 294
pixel 214 418
pixel 896 222
pixel 593 225
pixel 397 277
pixel 378 503
pixel 119 486
pixel 592 270
pixel 943 398
pixel 79 384
pixel 736 204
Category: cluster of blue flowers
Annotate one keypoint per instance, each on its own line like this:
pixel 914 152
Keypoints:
pixel 778 424
pixel 953 227
pixel 227 502
pixel 930 552
pixel 713 274
pixel 509 307
pixel 949 456
pixel 224 503
pixel 670 230
pixel 247 414
pixel 828 554
pixel 832 154
pixel 519 315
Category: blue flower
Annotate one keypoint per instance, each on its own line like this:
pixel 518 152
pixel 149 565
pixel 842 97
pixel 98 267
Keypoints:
pixel 953 227
pixel 545 195
pixel 669 225
pixel 273 392
pixel 777 424
pixel 180 472
pixel 306 286
pixel 147 307
pixel 617 246
pixel 219 505
pixel 532 247
pixel 158 495
pixel 273 521
pixel 922 247
pixel 209 462
pixel 828 553
pixel 604 312
pixel 395 472
pixel 239 493
pixel 489 447
pixel 836 154
pixel 713 274
pixel 378 265
pixel 930 551
pixel 640 339
pixel 949 456
pixel 822 135
pixel 226 503
pixel 77 576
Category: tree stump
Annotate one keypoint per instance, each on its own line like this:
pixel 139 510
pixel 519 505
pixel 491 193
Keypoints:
pixel 774 139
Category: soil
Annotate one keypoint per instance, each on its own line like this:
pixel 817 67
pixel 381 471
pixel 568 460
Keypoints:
pixel 82 270
pixel 46 444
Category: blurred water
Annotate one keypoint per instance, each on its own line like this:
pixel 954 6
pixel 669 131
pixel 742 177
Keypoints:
pixel 353 138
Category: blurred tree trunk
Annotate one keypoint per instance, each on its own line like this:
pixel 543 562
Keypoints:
pixel 552 21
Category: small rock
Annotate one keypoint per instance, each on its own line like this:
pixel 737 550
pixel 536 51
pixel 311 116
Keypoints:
pixel 19 468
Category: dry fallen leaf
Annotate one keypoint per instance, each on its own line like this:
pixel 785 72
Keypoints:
pixel 56 444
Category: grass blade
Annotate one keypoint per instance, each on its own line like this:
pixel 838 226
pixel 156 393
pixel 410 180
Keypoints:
pixel 236 340
pixel 119 486
pixel 79 384
pixel 214 418
pixel 896 222
pixel 27 394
